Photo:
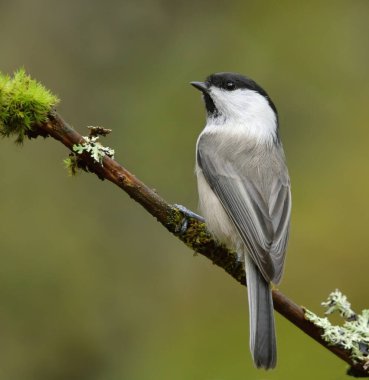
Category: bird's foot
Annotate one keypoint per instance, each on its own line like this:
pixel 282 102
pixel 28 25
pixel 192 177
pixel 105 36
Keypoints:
pixel 240 257
pixel 187 215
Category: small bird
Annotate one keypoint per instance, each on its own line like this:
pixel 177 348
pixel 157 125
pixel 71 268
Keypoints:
pixel 244 192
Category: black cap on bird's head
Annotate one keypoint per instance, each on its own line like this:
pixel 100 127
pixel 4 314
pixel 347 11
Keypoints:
pixel 228 82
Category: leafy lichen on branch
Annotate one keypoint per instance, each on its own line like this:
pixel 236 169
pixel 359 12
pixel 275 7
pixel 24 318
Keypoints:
pixel 353 335
pixel 338 302
pixel 24 103
pixel 93 147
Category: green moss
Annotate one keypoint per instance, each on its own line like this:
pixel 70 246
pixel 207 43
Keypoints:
pixel 24 103
pixel 71 164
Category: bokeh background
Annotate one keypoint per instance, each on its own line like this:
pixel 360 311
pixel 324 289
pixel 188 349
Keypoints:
pixel 91 286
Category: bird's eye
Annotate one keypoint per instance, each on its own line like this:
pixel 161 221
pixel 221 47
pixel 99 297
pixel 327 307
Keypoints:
pixel 230 85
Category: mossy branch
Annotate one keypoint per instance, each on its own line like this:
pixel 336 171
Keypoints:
pixel 26 109
pixel 24 103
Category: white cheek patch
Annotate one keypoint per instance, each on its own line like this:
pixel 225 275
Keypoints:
pixel 246 111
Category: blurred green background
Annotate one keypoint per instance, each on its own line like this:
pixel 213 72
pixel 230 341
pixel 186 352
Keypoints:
pixel 91 286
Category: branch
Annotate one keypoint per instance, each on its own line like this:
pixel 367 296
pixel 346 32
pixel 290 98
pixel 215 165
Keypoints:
pixel 194 235
pixel 25 110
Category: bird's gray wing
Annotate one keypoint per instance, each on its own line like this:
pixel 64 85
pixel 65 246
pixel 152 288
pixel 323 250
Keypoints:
pixel 262 224
pixel 280 213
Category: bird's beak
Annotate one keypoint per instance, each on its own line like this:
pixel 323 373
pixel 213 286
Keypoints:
pixel 200 86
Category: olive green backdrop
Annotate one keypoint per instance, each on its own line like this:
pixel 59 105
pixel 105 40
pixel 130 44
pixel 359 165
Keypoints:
pixel 91 286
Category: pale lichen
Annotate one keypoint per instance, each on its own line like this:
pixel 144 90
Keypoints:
pixel 95 149
pixel 352 335
pixel 337 301
pixel 91 145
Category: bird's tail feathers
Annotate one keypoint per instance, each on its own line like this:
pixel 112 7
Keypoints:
pixel 262 331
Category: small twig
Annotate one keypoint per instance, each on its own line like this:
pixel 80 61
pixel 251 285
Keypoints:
pixel 98 131
pixel 195 235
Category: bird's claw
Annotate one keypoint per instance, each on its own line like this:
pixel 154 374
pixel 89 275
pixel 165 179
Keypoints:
pixel 240 257
pixel 187 214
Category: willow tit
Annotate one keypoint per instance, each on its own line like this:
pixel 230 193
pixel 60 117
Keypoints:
pixel 244 192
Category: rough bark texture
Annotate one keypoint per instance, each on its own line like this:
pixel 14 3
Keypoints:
pixel 186 227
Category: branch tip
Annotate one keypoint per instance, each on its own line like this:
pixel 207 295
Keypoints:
pixel 24 104
pixel 352 335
